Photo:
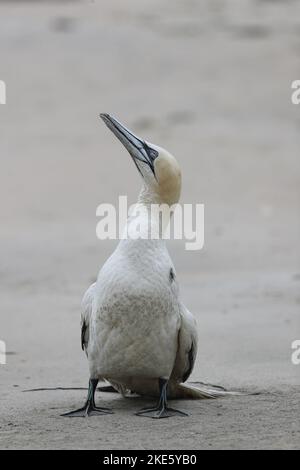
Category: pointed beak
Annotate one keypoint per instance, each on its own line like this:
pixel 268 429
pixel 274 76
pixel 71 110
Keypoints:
pixel 139 150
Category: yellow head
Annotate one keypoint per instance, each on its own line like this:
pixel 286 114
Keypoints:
pixel 159 169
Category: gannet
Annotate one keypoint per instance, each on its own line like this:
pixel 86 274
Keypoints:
pixel 136 332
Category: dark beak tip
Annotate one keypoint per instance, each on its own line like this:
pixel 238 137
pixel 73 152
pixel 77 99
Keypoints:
pixel 104 116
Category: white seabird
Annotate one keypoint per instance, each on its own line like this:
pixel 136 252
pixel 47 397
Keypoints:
pixel 136 332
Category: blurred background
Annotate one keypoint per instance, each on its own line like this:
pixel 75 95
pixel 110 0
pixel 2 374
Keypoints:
pixel 211 82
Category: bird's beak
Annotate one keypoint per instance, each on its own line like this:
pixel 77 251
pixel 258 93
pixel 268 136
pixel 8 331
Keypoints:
pixel 139 150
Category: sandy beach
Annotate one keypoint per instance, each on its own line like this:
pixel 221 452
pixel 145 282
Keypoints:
pixel 211 82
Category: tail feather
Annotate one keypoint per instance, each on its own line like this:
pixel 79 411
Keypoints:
pixel 176 390
pixel 197 392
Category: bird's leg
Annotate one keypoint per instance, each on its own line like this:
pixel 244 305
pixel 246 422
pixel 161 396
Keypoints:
pixel 89 409
pixel 161 410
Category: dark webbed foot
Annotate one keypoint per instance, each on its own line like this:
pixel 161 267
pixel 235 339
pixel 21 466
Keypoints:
pixel 161 410
pixel 89 409
pixel 157 413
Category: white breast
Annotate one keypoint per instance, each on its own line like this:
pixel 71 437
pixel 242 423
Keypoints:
pixel 136 313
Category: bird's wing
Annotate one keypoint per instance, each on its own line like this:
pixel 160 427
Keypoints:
pixel 184 363
pixel 86 311
pixel 187 347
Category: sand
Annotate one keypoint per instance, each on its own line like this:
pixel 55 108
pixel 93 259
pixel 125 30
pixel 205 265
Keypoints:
pixel 210 81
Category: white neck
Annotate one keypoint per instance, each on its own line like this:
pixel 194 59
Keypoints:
pixel 148 196
pixel 147 222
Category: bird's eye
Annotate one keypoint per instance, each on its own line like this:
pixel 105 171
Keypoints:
pixel 152 153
